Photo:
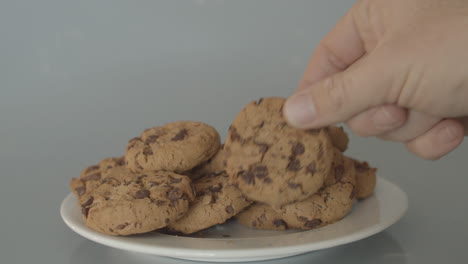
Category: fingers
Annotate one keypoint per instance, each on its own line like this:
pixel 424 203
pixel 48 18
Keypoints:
pixel 416 124
pixel 341 47
pixel 377 120
pixel 343 95
pixel 438 141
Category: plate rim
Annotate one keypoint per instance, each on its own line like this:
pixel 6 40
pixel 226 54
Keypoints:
pixel 233 254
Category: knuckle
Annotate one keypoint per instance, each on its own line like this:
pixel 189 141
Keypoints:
pixel 336 92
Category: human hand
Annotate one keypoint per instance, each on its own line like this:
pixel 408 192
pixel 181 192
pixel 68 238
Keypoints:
pixel 393 69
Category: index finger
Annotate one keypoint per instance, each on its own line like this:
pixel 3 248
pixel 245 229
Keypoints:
pixel 340 48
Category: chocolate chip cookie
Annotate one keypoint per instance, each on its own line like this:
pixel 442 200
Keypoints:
pixel 339 138
pixel 365 179
pixel 148 202
pixel 176 147
pixel 92 176
pixel 216 201
pixel 272 162
pixel 330 203
pixel 215 164
pixel 262 216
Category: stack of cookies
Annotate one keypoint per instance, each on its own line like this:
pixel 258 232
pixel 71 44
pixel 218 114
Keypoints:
pixel 179 177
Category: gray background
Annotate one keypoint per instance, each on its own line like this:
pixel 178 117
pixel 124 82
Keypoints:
pixel 80 78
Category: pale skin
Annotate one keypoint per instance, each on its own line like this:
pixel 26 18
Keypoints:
pixel 394 69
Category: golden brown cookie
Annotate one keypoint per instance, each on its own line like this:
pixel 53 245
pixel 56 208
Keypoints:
pixel 92 176
pixel 329 204
pixel 272 162
pixel 148 202
pixel 215 164
pixel 261 216
pixel 178 147
pixel 339 138
pixel 366 179
pixel 216 201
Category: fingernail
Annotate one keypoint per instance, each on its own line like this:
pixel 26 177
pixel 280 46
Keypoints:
pixel 299 110
pixel 384 119
pixel 448 134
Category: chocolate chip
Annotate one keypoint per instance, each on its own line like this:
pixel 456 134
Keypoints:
pixel 132 142
pixel 313 223
pixel 160 202
pixel 247 176
pixel 180 135
pixel 142 176
pixel 120 161
pixel 267 180
pixel 259 101
pixel 279 222
pixel 294 165
pixel 229 209
pixel 152 184
pixel 361 166
pixel 294 185
pixel 151 139
pixel 80 190
pixel 302 218
pixel 147 151
pixel 174 180
pixel 127 183
pixel 121 226
pixel 234 135
pixel 216 188
pixel 141 194
pixel 88 202
pixel 260 172
pixel 92 168
pixel 311 168
pixel 92 177
pixel 339 172
pixel 213 174
pixel 174 195
pixel 327 196
pixel 297 149
pixel 213 200
pixel 184 197
pixel 85 206
pixel 263 147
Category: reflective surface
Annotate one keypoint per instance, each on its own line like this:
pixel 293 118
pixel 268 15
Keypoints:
pixel 78 79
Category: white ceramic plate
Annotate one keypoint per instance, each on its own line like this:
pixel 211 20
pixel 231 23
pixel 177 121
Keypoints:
pixel 232 242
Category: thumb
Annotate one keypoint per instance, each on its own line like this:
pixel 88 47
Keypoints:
pixel 339 97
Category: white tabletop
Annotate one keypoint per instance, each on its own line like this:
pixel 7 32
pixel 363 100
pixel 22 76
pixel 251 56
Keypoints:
pixel 80 78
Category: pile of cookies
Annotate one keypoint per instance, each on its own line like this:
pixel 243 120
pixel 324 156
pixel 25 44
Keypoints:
pixel 269 175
